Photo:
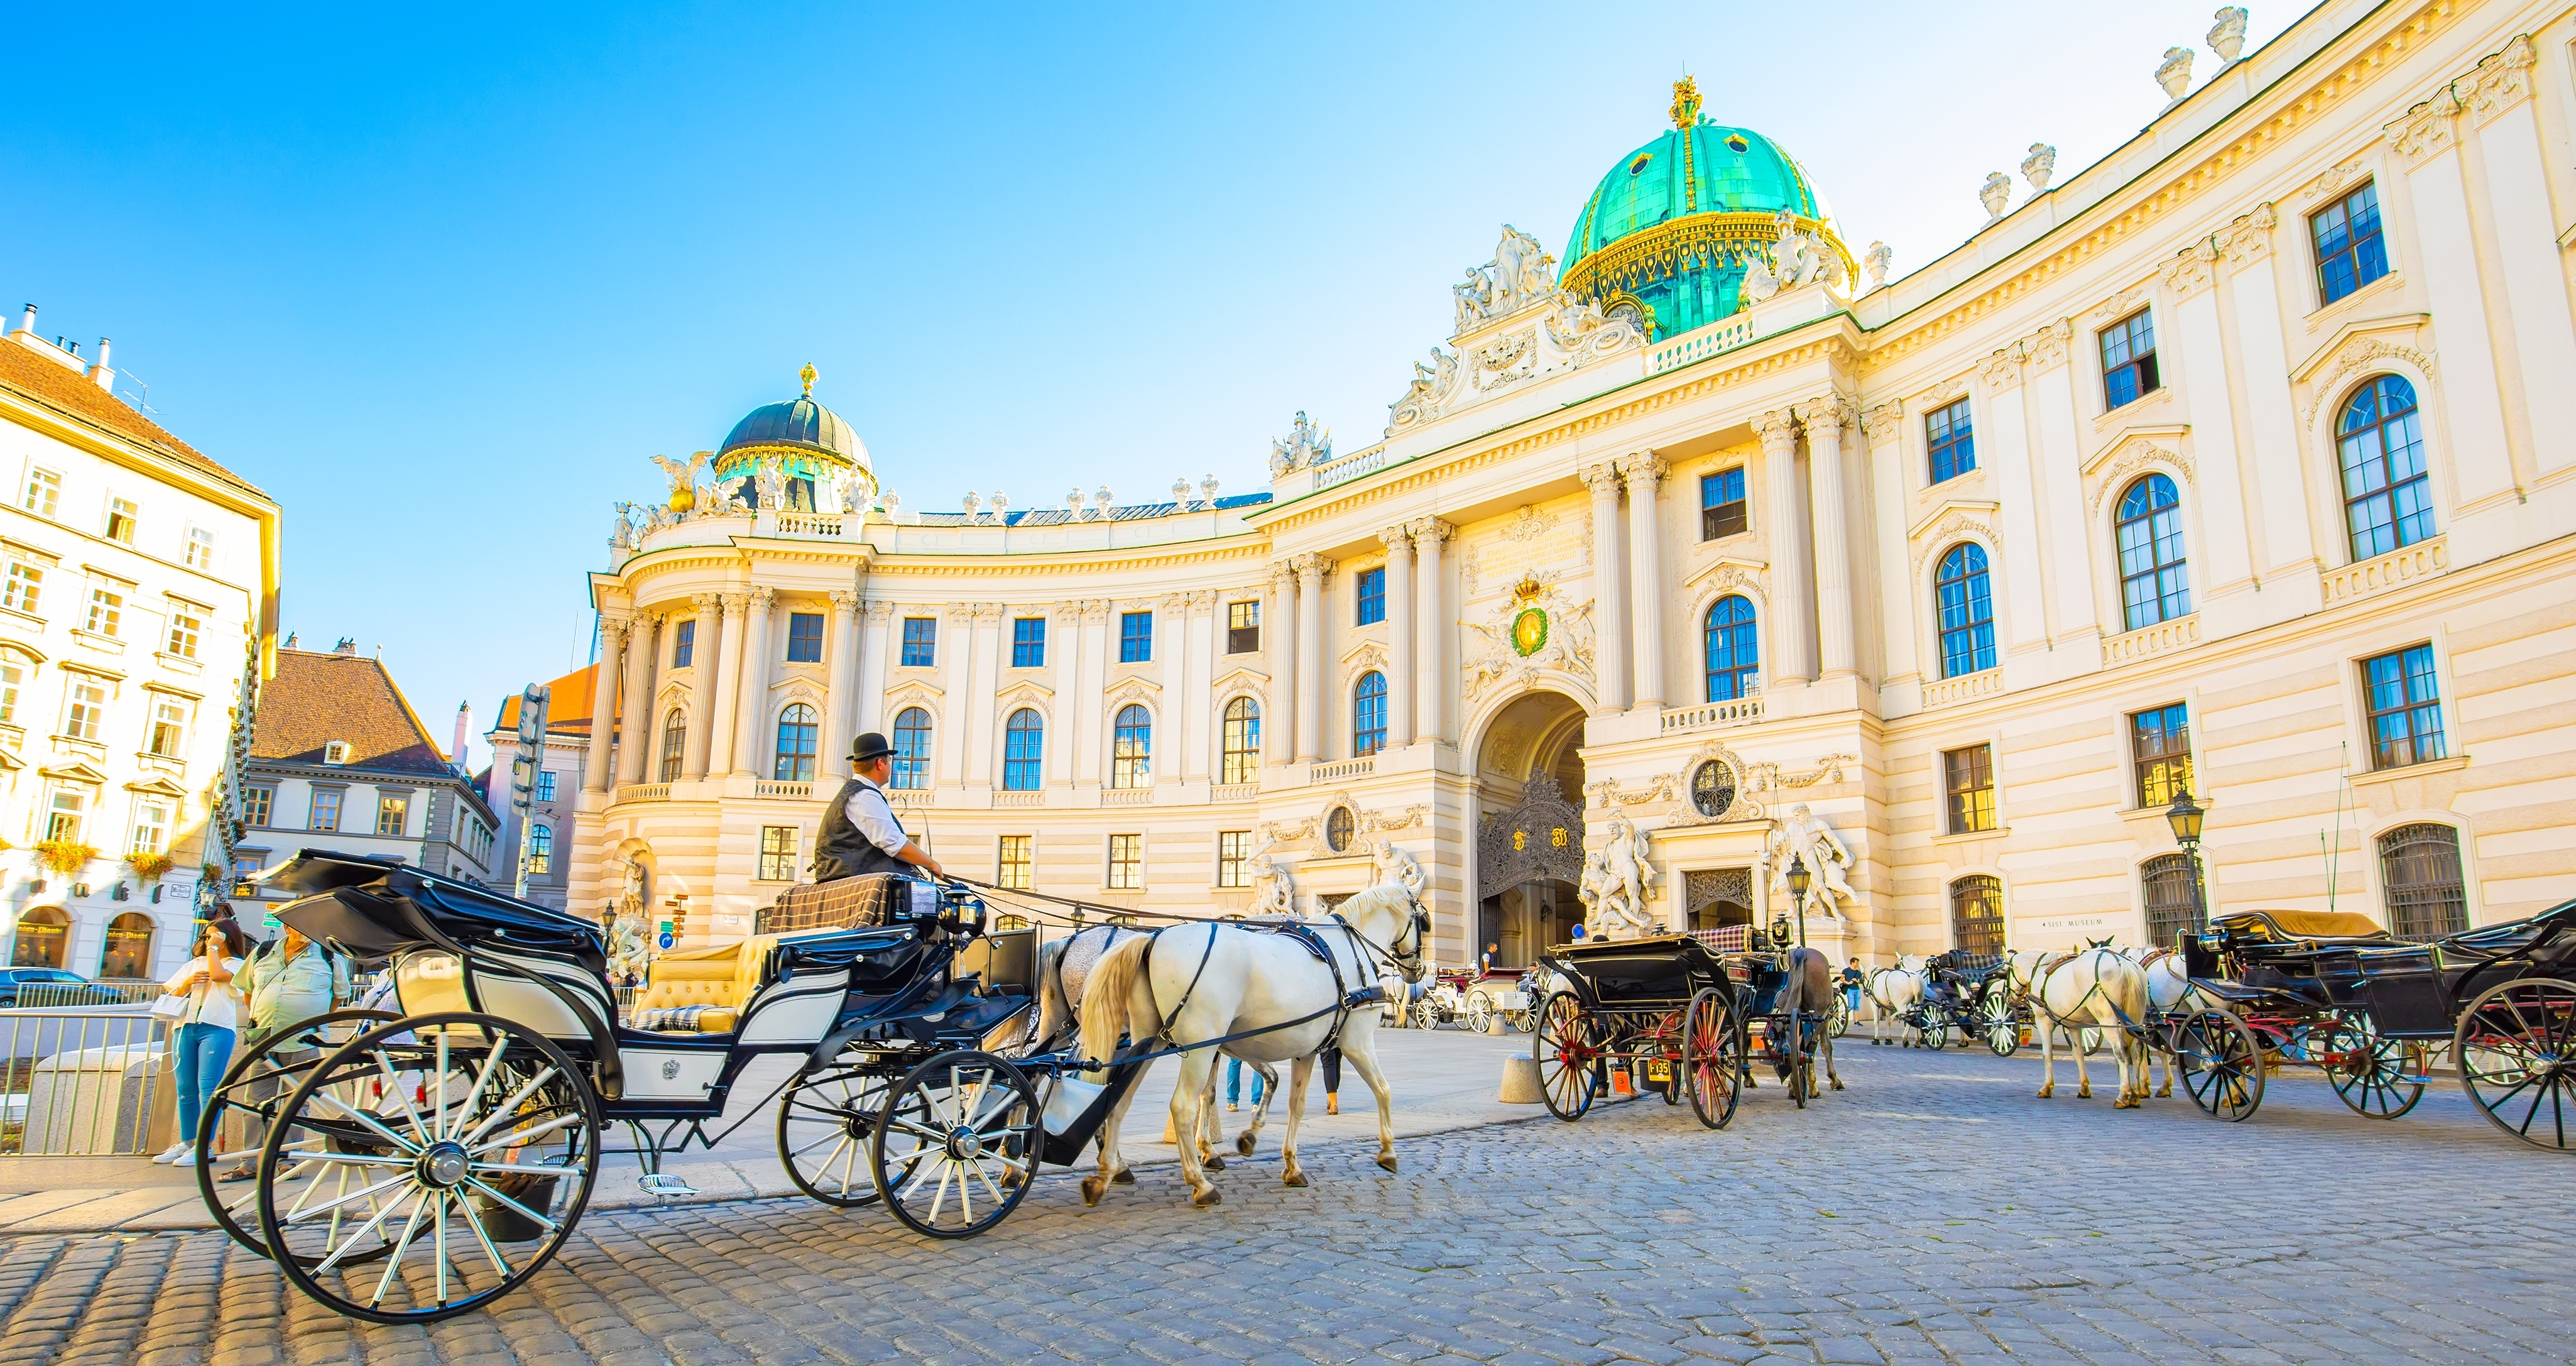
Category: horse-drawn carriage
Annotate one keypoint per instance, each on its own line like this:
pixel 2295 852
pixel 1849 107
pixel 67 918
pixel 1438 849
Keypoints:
pixel 434 1157
pixel 1967 999
pixel 1476 999
pixel 1672 1014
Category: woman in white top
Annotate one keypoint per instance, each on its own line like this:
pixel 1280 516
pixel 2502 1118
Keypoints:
pixel 207 1027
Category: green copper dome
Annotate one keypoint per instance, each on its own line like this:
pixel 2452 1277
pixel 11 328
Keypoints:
pixel 1669 225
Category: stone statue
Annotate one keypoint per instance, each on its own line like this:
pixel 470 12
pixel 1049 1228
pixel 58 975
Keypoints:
pixel 1305 446
pixel 1392 862
pixel 1995 194
pixel 722 496
pixel 683 479
pixel 1759 281
pixel 2227 37
pixel 1207 489
pixel 621 533
pixel 1795 258
pixel 771 483
pixel 1274 892
pixel 892 502
pixel 629 952
pixel 1878 260
pixel 2175 74
pixel 2040 166
pixel 1803 837
pixel 1610 913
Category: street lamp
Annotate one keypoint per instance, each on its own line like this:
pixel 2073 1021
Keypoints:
pixel 2185 816
pixel 1798 880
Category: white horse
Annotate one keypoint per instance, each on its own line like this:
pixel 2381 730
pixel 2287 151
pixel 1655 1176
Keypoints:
pixel 1064 968
pixel 2079 987
pixel 2169 990
pixel 1190 984
pixel 1893 992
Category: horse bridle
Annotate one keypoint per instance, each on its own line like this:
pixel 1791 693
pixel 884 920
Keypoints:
pixel 1410 962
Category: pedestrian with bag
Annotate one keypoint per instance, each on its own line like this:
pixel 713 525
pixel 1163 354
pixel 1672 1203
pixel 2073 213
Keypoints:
pixel 288 980
pixel 205 1002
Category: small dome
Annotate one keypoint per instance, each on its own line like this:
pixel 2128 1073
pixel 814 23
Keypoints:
pixel 809 442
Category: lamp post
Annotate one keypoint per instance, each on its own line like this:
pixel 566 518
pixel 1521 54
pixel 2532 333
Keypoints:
pixel 1798 880
pixel 2185 816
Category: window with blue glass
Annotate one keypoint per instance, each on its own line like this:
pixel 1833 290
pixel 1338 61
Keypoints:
pixel 920 642
pixel 2405 708
pixel 1967 611
pixel 796 739
pixel 1028 642
pixel 1733 654
pixel 684 644
pixel 1023 744
pixel 2387 497
pixel 1722 510
pixel 1368 715
pixel 911 749
pixel 1372 596
pixel 2350 251
pixel 2155 582
pixel 1131 757
pixel 1135 637
pixel 2129 359
pixel 1953 440
pixel 804 637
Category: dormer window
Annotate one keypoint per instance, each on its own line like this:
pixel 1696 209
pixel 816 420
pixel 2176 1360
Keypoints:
pixel 335 752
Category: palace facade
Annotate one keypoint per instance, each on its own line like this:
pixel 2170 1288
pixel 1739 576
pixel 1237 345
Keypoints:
pixel 2223 466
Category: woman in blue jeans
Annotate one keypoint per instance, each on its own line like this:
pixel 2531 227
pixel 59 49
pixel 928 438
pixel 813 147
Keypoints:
pixel 1234 1084
pixel 203 1046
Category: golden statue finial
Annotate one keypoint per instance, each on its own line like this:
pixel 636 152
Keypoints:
pixel 807 375
pixel 1685 102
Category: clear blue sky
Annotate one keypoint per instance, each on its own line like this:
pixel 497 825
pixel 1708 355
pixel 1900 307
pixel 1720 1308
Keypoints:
pixel 441 282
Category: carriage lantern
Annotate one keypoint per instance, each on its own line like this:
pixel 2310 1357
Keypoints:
pixel 2185 816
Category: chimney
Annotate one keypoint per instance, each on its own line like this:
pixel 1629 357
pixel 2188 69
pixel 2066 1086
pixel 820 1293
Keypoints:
pixel 28 323
pixel 348 646
pixel 464 728
pixel 99 372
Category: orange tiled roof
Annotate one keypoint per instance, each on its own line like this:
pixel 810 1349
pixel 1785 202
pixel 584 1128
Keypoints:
pixel 317 698
pixel 76 396
pixel 567 709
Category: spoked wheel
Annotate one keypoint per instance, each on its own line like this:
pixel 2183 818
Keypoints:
pixel 2516 1046
pixel 957 1144
pixel 472 1147
pixel 2376 1076
pixel 238 1115
pixel 1838 1019
pixel 1712 1057
pixel 2087 1040
pixel 1567 1051
pixel 1480 1013
pixel 1998 1025
pixel 825 1122
pixel 2221 1064
pixel 1935 1028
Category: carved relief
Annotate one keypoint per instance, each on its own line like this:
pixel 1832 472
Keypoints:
pixel 2119 305
pixel 1536 628
pixel 2358 354
pixel 2002 370
pixel 2134 457
pixel 2502 79
pixel 1884 421
pixel 1560 332
pixel 2249 238
pixel 1953 527
pixel 2047 346
pixel 2188 272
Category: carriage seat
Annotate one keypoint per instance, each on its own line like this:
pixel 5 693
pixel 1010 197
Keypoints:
pixel 2290 927
pixel 702 991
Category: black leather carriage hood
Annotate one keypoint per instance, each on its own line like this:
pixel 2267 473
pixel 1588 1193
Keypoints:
pixel 374 908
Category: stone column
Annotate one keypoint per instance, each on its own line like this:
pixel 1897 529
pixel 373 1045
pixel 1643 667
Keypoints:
pixel 876 655
pixel 751 702
pixel 1431 659
pixel 1279 633
pixel 722 729
pixel 1310 656
pixel 1609 585
pixel 1399 634
pixel 956 654
pixel 983 726
pixel 1823 417
pixel 1067 619
pixel 635 731
pixel 1090 728
pixel 1793 628
pixel 613 640
pixel 1197 704
pixel 832 748
pixel 1171 660
pixel 1645 574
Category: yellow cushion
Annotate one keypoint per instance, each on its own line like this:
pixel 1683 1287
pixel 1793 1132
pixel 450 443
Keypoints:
pixel 718 975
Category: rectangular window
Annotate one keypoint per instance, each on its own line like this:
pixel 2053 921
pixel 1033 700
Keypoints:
pixel 245 867
pixel 684 644
pixel 2128 359
pixel 201 548
pixel 1126 863
pixel 184 630
pixel 106 611
pixel 63 822
pixel 151 827
pixel 169 726
pixel 393 814
pixel 920 642
pixel 257 802
pixel 778 853
pixel 120 520
pixel 12 676
pixel 1011 866
pixel 1028 642
pixel 1372 596
pixel 85 711
pixel 1233 858
pixel 326 810
pixel 26 584
pixel 1952 440
pixel 1969 774
pixel 44 492
pixel 2405 708
pixel 546 785
pixel 2160 743
pixel 804 637
pixel 2350 251
pixel 1722 509
pixel 1242 627
pixel 1135 637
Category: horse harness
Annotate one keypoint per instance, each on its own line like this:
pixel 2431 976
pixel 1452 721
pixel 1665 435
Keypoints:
pixel 1308 934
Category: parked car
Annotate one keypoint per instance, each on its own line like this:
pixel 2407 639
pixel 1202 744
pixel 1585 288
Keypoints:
pixel 11 979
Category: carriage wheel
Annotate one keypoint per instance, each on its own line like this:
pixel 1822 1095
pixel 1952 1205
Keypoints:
pixel 2516 1046
pixel 2087 1040
pixel 1936 1027
pixel 1567 1051
pixel 1480 1013
pixel 2377 1076
pixel 1998 1025
pixel 1712 1057
pixel 957 1144
pixel 473 1146
pixel 253 1091
pixel 2221 1063
pixel 824 1123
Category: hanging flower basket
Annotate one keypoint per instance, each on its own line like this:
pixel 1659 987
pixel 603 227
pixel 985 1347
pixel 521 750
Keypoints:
pixel 64 856
pixel 149 867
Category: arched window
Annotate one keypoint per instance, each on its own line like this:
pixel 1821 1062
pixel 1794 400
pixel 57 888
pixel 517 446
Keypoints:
pixel 541 849
pixel 1368 715
pixel 1713 789
pixel 2387 498
pixel 1023 744
pixel 1977 915
pixel 1241 761
pixel 795 745
pixel 912 749
pixel 1734 657
pixel 675 743
pixel 1967 611
pixel 44 936
pixel 2419 866
pixel 2154 583
pixel 2172 898
pixel 1131 756
pixel 129 947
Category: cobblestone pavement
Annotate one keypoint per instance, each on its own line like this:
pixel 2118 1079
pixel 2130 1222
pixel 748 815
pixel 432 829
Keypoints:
pixel 1934 1212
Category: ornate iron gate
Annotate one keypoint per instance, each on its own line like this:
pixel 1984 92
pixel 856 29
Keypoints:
pixel 1540 838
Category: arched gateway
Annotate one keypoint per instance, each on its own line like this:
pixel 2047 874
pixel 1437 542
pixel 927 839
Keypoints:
pixel 1529 837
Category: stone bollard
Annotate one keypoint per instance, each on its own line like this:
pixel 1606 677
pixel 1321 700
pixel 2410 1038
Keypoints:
pixel 1520 1080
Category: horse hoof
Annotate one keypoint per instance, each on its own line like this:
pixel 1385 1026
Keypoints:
pixel 1123 1178
pixel 1091 1190
pixel 2125 1103
pixel 1212 1162
pixel 2046 1091
pixel 1245 1142
pixel 1838 1085
pixel 2084 1093
pixel 1297 1179
pixel 1208 1197
pixel 2164 1090
pixel 1386 1160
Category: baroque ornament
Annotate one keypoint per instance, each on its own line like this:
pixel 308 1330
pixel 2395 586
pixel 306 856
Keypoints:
pixel 1535 628
pixel 1513 323
pixel 2360 353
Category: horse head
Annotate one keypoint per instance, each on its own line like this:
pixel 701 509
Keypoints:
pixel 1392 918
pixel 2102 943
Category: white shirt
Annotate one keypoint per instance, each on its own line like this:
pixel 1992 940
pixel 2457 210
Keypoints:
pixel 873 814
pixel 210 1002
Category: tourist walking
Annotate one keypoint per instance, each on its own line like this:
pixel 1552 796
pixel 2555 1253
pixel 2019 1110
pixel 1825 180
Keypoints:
pixel 1852 980
pixel 288 980
pixel 209 1021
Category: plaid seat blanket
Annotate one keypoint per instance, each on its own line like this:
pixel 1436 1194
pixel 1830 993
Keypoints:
pixel 848 903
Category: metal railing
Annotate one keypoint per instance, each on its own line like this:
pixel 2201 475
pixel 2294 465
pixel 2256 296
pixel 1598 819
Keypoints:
pixel 113 991
pixel 81 1083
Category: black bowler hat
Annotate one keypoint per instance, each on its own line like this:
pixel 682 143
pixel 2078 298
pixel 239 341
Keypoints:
pixel 869 745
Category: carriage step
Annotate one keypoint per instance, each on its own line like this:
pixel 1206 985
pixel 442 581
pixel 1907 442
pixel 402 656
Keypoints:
pixel 666 1187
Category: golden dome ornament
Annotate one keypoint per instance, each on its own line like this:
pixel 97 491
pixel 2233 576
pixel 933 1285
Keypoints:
pixel 807 375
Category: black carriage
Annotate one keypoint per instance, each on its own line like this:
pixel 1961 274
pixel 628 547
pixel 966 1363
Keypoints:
pixel 1666 1013
pixel 1966 999
pixel 2333 989
pixel 432 1157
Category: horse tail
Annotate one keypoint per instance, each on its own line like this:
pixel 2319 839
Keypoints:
pixel 1107 1010
pixel 1054 1012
